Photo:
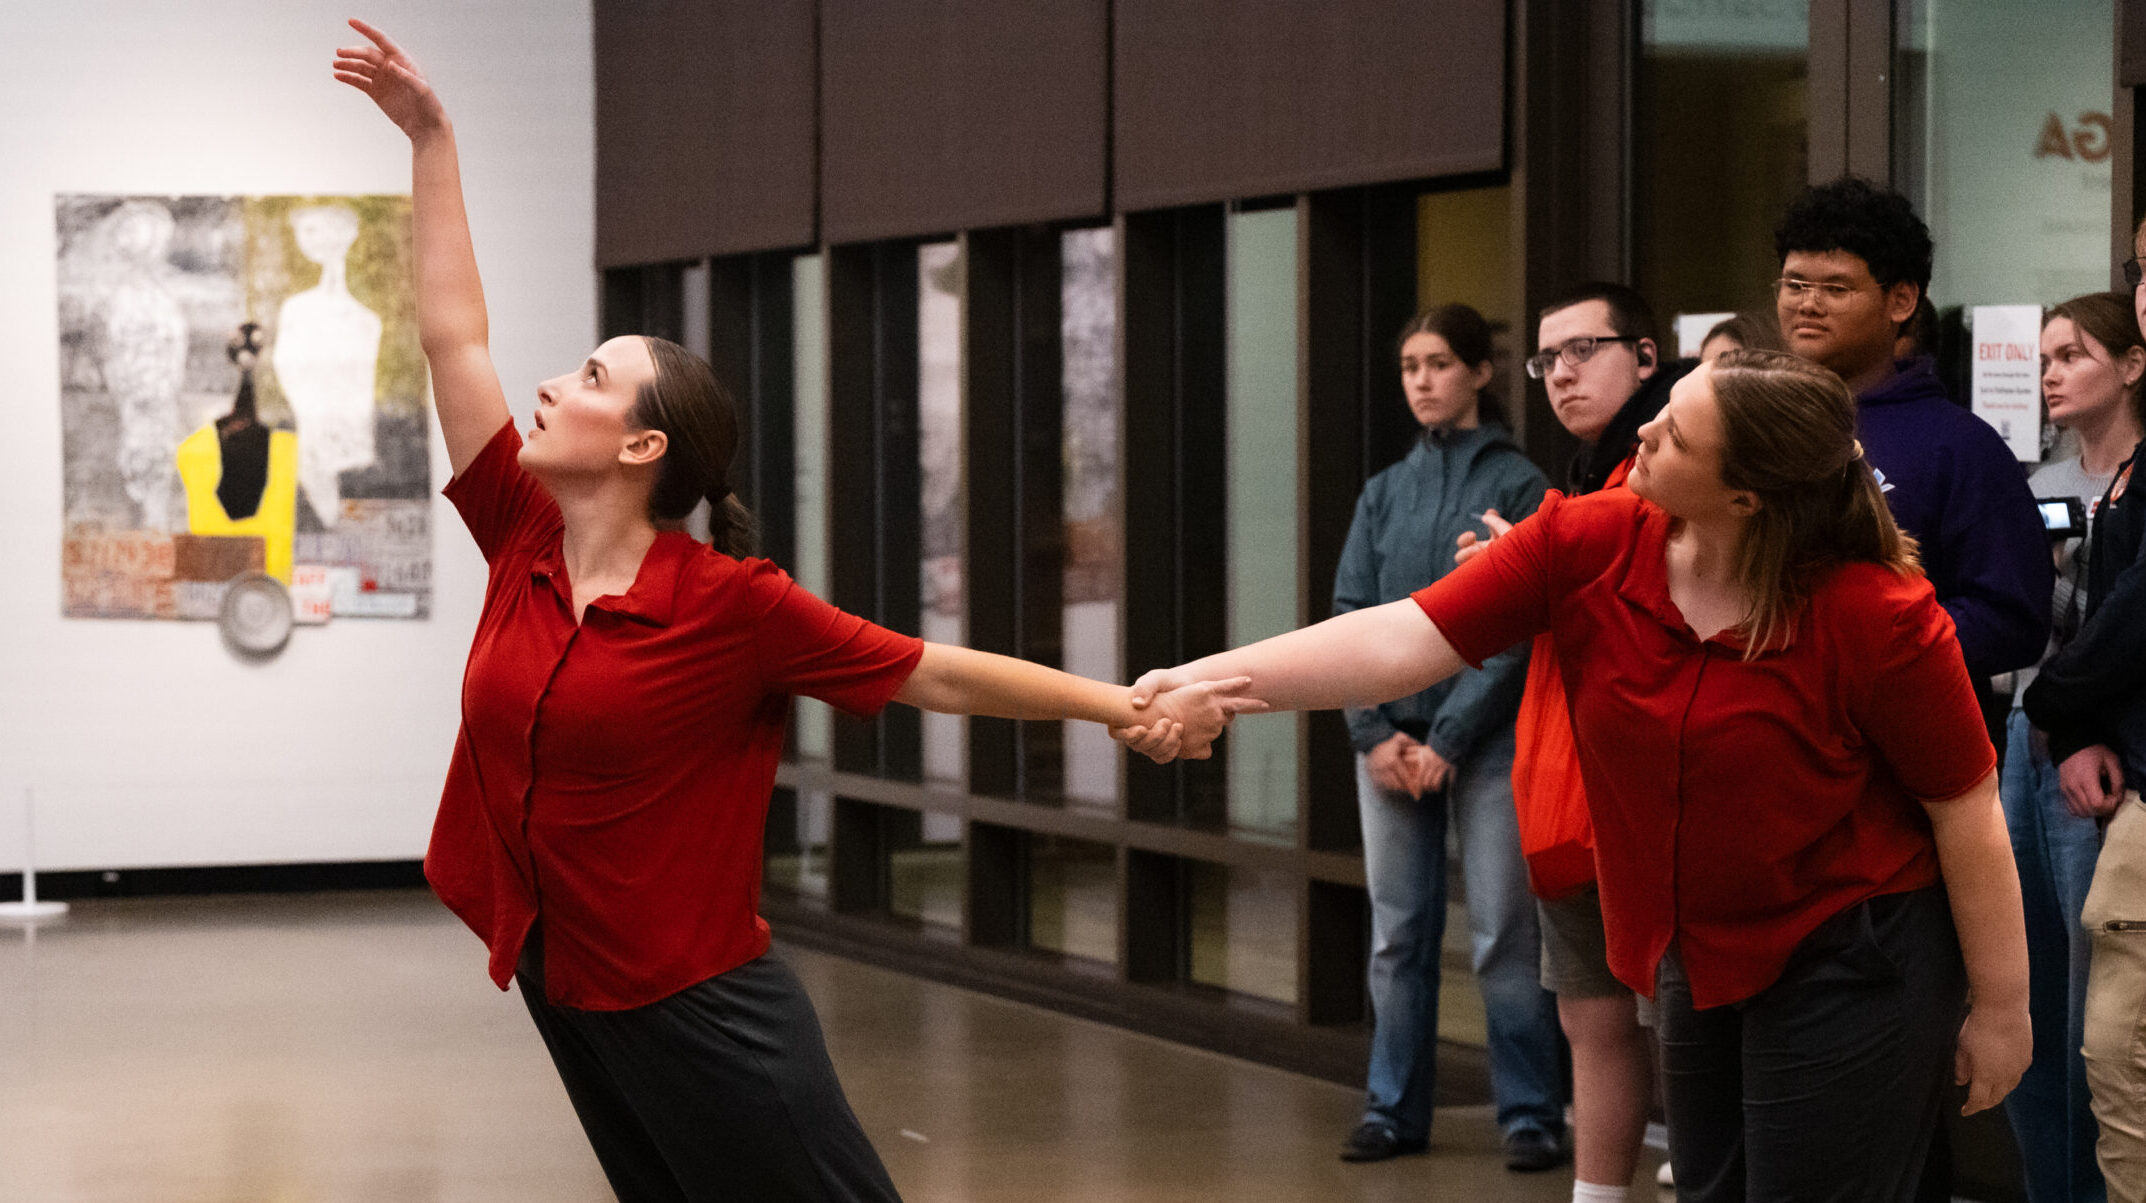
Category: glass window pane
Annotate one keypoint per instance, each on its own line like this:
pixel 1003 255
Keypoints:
pixel 1094 569
pixel 1263 507
pixel 2002 139
pixel 808 318
pixel 797 853
pixel 927 870
pixel 945 500
pixel 1719 131
pixel 1244 928
pixel 1073 898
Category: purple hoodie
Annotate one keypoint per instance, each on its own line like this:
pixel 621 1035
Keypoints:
pixel 1954 485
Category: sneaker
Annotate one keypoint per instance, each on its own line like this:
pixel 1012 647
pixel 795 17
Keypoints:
pixel 1665 1177
pixel 1532 1150
pixel 1374 1141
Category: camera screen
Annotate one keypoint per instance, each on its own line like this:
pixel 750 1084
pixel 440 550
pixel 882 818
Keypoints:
pixel 2055 515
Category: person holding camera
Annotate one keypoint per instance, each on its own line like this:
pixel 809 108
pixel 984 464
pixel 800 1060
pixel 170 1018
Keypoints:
pixel 2093 367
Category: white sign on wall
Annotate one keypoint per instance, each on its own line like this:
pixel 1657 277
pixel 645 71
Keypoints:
pixel 2008 375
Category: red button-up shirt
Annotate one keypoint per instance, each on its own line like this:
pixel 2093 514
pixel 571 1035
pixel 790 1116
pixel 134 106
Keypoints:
pixel 613 776
pixel 1737 804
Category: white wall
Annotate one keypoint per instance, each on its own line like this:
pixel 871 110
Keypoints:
pixel 146 742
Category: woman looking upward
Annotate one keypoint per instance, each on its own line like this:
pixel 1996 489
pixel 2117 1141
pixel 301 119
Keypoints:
pixel 622 719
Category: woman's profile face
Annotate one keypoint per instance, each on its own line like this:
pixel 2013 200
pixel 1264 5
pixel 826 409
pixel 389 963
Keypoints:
pixel 1679 463
pixel 2081 382
pixel 1441 390
pixel 581 424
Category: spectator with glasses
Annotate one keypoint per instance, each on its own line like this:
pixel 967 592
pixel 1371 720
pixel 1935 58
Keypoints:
pixel 1600 364
pixel 1855 267
pixel 1855 264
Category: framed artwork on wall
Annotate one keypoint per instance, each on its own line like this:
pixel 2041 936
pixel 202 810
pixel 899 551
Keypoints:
pixel 242 395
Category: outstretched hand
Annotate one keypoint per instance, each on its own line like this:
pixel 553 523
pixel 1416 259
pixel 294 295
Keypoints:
pixel 1472 546
pixel 1188 715
pixel 386 74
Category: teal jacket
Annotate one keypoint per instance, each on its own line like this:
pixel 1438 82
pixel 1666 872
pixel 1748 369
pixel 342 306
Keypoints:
pixel 1403 538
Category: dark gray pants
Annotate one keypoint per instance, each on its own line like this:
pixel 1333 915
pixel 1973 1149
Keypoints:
pixel 723 1091
pixel 1824 1087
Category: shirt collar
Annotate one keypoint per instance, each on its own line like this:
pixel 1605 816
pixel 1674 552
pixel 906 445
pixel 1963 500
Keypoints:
pixel 1646 583
pixel 654 595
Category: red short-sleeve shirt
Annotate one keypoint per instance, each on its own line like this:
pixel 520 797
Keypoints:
pixel 613 776
pixel 1737 804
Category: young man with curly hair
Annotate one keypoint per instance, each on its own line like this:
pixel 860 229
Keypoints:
pixel 1855 270
pixel 1855 263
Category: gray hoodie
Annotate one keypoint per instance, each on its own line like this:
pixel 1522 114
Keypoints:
pixel 1402 539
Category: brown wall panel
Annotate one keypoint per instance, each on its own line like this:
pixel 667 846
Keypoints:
pixel 704 128
pixel 1217 99
pixel 2130 43
pixel 941 115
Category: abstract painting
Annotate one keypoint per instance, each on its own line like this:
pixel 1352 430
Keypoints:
pixel 241 392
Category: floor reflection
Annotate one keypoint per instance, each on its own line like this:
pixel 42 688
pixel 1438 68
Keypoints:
pixel 349 1047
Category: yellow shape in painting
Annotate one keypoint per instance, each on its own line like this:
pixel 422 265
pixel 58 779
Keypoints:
pixel 201 467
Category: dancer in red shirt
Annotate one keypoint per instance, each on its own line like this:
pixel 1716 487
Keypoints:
pixel 623 715
pixel 1799 846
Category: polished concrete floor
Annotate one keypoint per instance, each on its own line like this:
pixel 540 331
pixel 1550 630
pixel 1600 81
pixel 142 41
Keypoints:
pixel 348 1047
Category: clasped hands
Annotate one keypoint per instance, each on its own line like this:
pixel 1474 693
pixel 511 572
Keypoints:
pixel 1188 714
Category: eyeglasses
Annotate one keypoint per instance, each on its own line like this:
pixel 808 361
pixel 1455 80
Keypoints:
pixel 1828 294
pixel 2132 273
pixel 1574 352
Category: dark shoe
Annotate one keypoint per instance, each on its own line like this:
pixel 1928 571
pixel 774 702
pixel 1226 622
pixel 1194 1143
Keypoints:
pixel 1373 1141
pixel 1532 1150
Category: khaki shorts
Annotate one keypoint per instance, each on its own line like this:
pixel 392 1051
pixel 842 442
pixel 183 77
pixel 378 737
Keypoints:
pixel 1575 954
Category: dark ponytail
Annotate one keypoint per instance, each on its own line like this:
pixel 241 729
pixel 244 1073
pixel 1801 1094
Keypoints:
pixel 699 421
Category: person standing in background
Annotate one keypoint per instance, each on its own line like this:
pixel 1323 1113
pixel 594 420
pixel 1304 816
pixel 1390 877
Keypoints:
pixel 1443 758
pixel 2093 363
pixel 1598 358
pixel 2091 699
pixel 1855 263
pixel 1855 272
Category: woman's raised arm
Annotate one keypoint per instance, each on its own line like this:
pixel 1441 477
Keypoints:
pixel 451 320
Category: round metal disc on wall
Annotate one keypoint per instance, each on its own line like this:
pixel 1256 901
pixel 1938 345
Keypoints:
pixel 256 615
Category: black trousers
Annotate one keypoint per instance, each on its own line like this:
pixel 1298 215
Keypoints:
pixel 1824 1087
pixel 723 1091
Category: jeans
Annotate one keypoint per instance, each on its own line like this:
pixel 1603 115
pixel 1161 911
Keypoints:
pixel 1825 1086
pixel 2051 1112
pixel 1405 869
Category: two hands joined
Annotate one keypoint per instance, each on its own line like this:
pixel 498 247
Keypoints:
pixel 1186 714
pixel 1401 763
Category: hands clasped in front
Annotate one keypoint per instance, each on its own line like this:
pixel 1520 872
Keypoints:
pixel 1189 714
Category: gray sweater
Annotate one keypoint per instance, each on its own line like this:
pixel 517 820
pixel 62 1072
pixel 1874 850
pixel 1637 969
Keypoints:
pixel 1402 539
